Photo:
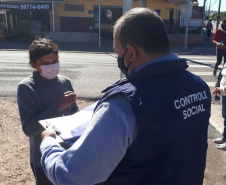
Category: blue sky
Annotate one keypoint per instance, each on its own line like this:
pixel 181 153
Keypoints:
pixel 214 4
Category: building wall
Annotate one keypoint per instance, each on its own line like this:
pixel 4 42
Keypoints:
pixel 88 14
pixel 75 17
pixel 88 5
pixel 158 4
pixel 164 8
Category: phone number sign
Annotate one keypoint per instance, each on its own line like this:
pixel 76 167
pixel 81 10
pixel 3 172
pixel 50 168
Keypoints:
pixel 26 6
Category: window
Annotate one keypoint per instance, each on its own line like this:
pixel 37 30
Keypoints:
pixel 69 7
pixel 90 12
pixel 2 21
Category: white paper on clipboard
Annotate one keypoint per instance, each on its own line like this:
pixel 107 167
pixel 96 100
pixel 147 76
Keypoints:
pixel 72 126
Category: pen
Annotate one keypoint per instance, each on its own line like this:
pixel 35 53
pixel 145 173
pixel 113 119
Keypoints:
pixel 54 127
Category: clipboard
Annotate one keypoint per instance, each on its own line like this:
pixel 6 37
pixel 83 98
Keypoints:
pixel 70 127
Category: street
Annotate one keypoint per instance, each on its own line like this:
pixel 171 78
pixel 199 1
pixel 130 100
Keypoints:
pixel 90 73
pixel 203 67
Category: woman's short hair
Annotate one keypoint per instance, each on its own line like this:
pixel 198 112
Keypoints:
pixel 40 47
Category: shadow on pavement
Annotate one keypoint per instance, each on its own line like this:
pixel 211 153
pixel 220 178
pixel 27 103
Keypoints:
pixel 106 45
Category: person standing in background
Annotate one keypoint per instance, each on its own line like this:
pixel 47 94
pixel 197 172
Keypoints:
pixel 220 89
pixel 209 28
pixel 43 95
pixel 219 39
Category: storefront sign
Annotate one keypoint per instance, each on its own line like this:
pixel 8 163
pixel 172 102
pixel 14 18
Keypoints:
pixel 26 6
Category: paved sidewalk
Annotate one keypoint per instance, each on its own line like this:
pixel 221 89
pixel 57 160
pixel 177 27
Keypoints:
pixel 17 44
pixel 216 116
pixel 105 46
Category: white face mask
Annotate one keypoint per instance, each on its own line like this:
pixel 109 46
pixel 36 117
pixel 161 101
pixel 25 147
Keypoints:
pixel 50 71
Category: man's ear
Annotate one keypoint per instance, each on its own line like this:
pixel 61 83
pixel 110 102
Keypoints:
pixel 132 52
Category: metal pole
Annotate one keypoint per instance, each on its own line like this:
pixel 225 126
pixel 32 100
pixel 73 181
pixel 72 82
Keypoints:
pixel 99 25
pixel 218 15
pixel 209 11
pixel 204 15
pixel 53 16
pixel 204 10
pixel 127 5
pixel 6 24
pixel 186 32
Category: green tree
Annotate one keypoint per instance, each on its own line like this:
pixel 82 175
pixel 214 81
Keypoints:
pixel 214 16
pixel 223 16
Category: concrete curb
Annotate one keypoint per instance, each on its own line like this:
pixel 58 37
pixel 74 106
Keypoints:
pixel 216 118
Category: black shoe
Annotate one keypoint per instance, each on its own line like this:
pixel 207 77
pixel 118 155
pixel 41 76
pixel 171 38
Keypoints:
pixel 216 98
pixel 214 72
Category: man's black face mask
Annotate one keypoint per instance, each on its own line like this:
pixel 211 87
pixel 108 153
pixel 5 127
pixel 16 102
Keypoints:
pixel 223 27
pixel 121 64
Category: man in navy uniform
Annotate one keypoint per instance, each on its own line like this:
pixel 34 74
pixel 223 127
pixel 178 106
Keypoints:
pixel 150 128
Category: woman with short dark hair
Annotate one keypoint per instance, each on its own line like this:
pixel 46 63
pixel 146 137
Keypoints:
pixel 43 95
